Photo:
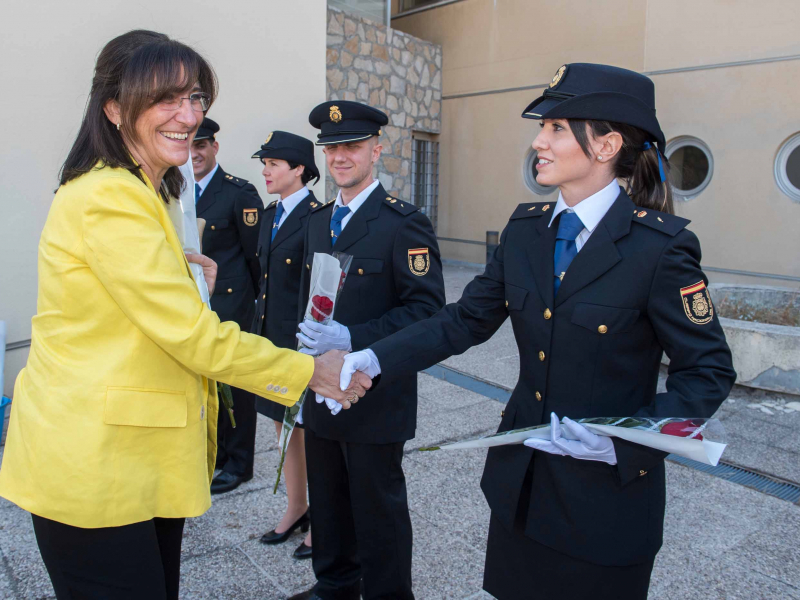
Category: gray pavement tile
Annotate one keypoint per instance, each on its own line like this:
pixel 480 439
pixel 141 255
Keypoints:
pixel 226 574
pixel 439 397
pixel 444 491
pixel 781 463
pixel 21 554
pixel 464 423
pixel 292 576
pixel 442 566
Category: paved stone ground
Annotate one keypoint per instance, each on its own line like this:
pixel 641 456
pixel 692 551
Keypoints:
pixel 722 540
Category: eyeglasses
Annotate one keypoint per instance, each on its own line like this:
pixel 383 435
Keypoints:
pixel 200 102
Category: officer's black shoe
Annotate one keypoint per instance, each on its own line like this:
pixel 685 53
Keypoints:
pixel 307 595
pixel 302 552
pixel 271 537
pixel 225 482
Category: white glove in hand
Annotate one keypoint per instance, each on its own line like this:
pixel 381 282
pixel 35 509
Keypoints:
pixel 364 361
pixel 321 338
pixel 587 446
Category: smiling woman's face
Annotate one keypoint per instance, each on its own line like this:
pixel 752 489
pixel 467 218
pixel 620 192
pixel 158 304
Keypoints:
pixel 561 159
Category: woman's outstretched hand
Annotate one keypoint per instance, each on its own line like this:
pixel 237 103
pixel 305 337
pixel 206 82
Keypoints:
pixel 209 269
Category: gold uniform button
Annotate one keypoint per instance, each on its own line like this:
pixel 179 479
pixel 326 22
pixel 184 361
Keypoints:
pixel 284 390
pixel 264 297
pixel 547 313
pixel 213 228
pixel 506 303
pixel 308 267
pixel 288 261
pixel 642 473
pixel 538 397
pixel 361 271
pixel 541 355
pixel 602 329
pixel 265 275
pixel 502 414
pixel 262 317
pixel 230 291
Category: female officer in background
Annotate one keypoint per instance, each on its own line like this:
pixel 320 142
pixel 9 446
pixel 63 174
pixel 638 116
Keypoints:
pixel 598 285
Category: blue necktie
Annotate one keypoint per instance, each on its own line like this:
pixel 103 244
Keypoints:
pixel 279 210
pixel 197 192
pixel 336 222
pixel 566 249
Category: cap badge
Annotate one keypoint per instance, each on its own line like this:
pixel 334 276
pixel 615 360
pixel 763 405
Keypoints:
pixel 269 137
pixel 419 261
pixel 336 114
pixel 557 77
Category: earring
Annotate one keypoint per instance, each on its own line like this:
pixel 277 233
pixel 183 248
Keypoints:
pixel 599 158
pixel 117 126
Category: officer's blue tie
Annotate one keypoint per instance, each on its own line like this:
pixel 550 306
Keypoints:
pixel 196 192
pixel 279 210
pixel 566 249
pixel 336 222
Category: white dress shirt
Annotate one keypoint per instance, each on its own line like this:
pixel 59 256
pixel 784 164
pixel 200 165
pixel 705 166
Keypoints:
pixel 590 211
pixel 203 183
pixel 355 203
pixel 290 203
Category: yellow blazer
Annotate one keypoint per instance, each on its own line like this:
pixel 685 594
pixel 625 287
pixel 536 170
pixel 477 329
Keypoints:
pixel 114 417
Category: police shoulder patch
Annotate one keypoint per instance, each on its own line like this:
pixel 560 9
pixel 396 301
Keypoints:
pixel 404 208
pixel 419 261
pixel 697 303
pixel 250 216
pixel 532 209
pixel 660 221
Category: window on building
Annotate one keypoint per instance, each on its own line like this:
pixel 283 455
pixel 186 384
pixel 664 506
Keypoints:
pixel 692 166
pixel 787 167
pixel 529 174
pixel 425 176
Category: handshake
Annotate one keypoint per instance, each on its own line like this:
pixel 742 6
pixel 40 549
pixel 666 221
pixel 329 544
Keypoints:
pixel 340 379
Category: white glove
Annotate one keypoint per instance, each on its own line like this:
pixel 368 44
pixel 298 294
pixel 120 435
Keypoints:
pixel 587 446
pixel 364 361
pixel 321 338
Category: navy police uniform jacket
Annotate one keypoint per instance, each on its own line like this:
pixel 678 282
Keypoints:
pixel 232 209
pixel 281 267
pixel 634 291
pixel 395 280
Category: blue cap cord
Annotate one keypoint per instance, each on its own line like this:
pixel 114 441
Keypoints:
pixel 647 146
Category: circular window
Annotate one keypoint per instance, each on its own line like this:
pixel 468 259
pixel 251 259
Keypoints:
pixel 529 174
pixel 692 166
pixel 787 168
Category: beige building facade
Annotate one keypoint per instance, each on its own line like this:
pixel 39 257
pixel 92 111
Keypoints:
pixel 269 57
pixel 726 74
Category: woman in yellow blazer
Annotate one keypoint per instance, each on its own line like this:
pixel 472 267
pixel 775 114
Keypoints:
pixel 112 438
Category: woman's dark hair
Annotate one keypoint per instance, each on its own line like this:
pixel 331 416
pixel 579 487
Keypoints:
pixel 307 174
pixel 638 167
pixel 137 69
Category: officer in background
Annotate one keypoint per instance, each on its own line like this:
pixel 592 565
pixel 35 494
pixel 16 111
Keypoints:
pixel 232 210
pixel 360 519
pixel 289 166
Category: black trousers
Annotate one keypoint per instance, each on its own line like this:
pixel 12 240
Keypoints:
pixel 131 562
pixel 360 520
pixel 236 447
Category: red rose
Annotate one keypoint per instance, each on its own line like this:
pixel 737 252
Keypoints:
pixel 321 307
pixel 684 428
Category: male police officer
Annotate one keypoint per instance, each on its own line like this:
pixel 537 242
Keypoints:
pixel 289 166
pixel 360 519
pixel 232 210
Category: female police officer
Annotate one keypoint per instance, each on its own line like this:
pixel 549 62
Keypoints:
pixel 598 285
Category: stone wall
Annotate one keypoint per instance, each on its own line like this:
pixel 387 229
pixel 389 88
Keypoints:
pixel 394 72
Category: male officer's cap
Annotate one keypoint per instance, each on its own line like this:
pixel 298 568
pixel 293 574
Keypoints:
pixel 600 93
pixel 207 130
pixel 291 148
pixel 341 121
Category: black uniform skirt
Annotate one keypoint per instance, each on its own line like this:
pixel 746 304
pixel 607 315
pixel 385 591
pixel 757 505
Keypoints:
pixel 275 411
pixel 518 567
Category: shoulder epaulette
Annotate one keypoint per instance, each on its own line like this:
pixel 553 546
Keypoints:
pixel 236 180
pixel 404 208
pixel 660 221
pixel 312 204
pixel 532 209
pixel 271 205
pixel 322 205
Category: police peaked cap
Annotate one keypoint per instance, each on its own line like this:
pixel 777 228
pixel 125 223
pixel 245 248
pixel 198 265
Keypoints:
pixel 599 93
pixel 207 130
pixel 341 121
pixel 291 148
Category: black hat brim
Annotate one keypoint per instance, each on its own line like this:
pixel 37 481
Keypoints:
pixel 598 106
pixel 343 138
pixel 289 155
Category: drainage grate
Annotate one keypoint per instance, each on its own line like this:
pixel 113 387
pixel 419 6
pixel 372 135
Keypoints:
pixel 767 485
pixel 762 483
